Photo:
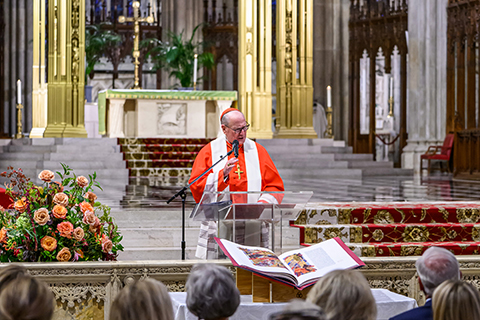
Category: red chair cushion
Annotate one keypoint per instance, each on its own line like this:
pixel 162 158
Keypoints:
pixel 5 201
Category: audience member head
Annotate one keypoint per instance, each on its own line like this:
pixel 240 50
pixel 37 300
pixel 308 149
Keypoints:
pixel 298 309
pixel 434 267
pixel 10 273
pixel 211 292
pixel 455 299
pixel 344 295
pixel 25 298
pixel 144 299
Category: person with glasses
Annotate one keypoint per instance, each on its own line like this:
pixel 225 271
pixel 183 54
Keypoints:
pixel 253 170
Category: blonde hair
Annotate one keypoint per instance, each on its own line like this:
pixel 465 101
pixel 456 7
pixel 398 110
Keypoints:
pixel 344 295
pixel 25 298
pixel 145 299
pixel 455 299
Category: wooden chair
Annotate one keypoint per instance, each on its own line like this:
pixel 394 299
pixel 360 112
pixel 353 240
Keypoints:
pixel 438 153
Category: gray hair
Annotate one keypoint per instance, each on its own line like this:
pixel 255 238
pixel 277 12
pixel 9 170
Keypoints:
pixel 435 266
pixel 298 309
pixel 211 292
pixel 344 295
pixel 144 299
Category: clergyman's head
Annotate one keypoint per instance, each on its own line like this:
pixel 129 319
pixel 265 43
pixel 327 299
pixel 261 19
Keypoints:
pixel 234 126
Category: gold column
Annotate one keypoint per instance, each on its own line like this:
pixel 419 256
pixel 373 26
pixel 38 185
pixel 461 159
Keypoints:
pixel 39 84
pixel 294 87
pixel 255 66
pixel 66 66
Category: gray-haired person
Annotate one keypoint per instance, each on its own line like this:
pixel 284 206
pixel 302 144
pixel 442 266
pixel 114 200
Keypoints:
pixel 211 292
pixel 435 266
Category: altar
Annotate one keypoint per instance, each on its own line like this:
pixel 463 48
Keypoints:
pixel 162 113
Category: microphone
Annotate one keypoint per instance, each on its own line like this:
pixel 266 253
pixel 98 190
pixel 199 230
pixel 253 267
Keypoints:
pixel 235 148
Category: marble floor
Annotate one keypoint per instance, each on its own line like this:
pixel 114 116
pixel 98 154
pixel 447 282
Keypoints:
pixel 386 188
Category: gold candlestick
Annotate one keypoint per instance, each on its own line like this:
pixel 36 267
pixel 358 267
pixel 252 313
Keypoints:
pixel 329 131
pixel 19 134
pixel 390 111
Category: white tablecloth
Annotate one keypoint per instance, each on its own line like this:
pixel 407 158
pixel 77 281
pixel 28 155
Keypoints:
pixel 389 304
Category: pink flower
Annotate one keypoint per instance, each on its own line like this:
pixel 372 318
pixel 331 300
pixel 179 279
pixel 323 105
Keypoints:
pixel 65 228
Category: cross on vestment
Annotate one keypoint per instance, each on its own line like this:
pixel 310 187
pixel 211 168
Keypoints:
pixel 238 171
pixel 136 19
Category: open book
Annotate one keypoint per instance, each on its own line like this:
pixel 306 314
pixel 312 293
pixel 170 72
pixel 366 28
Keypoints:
pixel 298 268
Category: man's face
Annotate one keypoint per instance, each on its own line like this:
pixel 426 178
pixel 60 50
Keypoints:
pixel 233 131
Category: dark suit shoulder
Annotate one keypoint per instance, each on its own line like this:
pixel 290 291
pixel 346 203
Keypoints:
pixel 420 313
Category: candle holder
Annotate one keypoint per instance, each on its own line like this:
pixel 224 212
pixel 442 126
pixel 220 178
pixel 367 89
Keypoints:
pixel 390 110
pixel 195 86
pixel 329 132
pixel 19 134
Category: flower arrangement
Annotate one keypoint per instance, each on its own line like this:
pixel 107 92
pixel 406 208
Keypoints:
pixel 50 223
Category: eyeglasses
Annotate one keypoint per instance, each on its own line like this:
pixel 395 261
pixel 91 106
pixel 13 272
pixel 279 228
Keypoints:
pixel 238 131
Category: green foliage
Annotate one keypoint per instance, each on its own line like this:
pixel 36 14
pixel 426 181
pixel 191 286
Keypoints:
pixel 97 41
pixel 176 56
pixel 90 232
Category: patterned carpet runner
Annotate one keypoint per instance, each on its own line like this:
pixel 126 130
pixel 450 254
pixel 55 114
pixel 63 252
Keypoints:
pixel 160 162
pixel 393 229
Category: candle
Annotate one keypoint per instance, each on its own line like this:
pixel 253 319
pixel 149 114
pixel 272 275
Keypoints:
pixel 391 87
pixel 19 91
pixel 329 96
pixel 195 61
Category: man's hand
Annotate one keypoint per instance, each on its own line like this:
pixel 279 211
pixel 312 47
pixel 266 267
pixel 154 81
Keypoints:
pixel 229 166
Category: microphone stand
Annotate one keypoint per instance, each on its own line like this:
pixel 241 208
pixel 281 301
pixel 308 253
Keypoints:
pixel 183 195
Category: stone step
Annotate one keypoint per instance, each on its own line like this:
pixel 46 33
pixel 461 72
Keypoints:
pixel 34 156
pixel 369 172
pixel 310 164
pixel 298 173
pixel 369 164
pixel 278 151
pixel 91 165
pixel 295 142
pixel 304 156
pixel 354 156
pixel 29 148
pixel 84 156
pixel 91 149
pixel 153 218
pixel 336 149
pixel 166 253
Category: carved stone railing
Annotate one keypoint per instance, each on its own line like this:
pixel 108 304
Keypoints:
pixel 86 290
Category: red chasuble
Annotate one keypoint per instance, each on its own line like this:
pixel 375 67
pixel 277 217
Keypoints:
pixel 254 171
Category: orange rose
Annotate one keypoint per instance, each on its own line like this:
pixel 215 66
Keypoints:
pixel 78 233
pixel 41 216
pixel 59 212
pixel 90 196
pixel 65 228
pixel 21 205
pixel 89 218
pixel 64 255
pixel 96 227
pixel 82 181
pixel 85 206
pixel 49 243
pixel 107 244
pixel 61 199
pixel 46 175
pixel 3 235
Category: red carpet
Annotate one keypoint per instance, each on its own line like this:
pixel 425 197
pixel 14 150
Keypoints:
pixel 394 229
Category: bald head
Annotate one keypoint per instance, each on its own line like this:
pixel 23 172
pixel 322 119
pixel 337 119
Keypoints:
pixel 232 122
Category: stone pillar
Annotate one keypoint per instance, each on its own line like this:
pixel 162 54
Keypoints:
pixel 18 33
pixel 294 69
pixel 178 16
pixel 66 65
pixel 255 66
pixel 330 60
pixel 426 77
pixel 39 84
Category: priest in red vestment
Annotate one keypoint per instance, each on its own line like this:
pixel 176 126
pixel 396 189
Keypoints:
pixel 253 170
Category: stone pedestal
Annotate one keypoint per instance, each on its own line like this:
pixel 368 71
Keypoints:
pixel 426 76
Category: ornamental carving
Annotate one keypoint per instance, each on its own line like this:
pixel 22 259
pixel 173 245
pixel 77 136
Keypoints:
pixel 469 215
pixel 383 217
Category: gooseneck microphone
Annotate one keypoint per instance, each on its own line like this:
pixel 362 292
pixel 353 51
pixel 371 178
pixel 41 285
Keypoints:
pixel 235 148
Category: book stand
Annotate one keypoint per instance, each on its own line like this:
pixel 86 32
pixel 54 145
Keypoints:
pixel 264 290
